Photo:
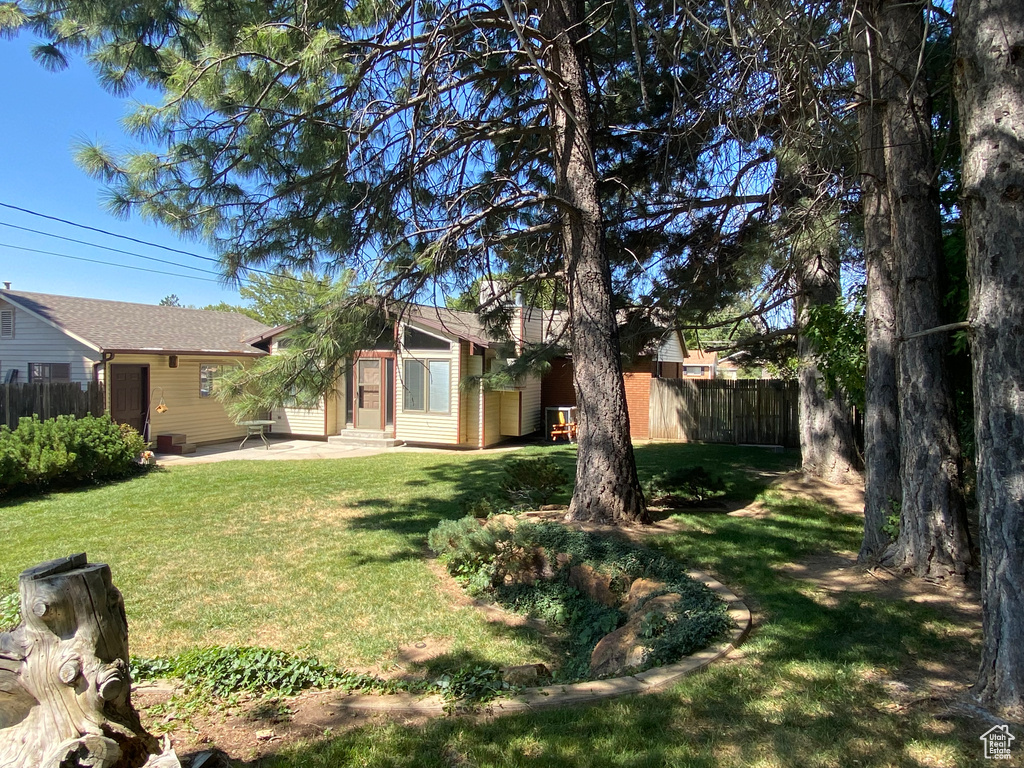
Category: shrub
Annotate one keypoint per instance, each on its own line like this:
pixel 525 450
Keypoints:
pixel 533 481
pixel 688 484
pixel 65 452
pixel 464 545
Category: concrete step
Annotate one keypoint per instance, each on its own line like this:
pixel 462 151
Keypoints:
pixel 167 443
pixel 178 449
pixel 365 438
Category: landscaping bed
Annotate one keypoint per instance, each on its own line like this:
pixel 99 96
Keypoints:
pixel 619 607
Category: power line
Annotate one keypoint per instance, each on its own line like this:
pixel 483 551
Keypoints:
pixel 107 232
pixel 70 223
pixel 107 263
pixel 108 248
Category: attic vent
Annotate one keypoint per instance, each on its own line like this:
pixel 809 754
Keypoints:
pixel 6 323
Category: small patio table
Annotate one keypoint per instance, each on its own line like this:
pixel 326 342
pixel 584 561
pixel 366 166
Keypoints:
pixel 256 427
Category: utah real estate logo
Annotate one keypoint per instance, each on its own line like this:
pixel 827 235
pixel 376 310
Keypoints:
pixel 997 742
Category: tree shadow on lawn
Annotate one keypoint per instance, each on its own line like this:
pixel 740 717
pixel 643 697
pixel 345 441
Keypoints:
pixel 471 481
pixel 806 693
pixel 13 499
pixel 359 558
pixel 465 660
pixel 812 685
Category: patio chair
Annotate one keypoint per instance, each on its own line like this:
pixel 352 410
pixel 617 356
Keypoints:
pixel 563 427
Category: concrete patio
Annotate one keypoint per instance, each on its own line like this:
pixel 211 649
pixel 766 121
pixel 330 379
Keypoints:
pixel 277 449
pixel 288 449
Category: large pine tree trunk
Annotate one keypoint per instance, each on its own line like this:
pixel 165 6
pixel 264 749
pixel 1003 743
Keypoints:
pixel 990 94
pixel 607 487
pixel 827 446
pixel 64 684
pixel 933 538
pixel 881 418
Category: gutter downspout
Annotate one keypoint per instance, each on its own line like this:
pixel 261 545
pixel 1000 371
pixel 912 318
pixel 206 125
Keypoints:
pixel 105 357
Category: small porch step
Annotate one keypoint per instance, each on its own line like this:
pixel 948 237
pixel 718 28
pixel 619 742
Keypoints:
pixel 365 438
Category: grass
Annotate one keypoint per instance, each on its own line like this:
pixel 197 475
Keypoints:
pixel 303 556
pixel 323 558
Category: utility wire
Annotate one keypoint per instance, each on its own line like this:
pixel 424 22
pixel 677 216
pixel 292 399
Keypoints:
pixel 107 263
pixel 108 248
pixel 107 232
pixel 30 212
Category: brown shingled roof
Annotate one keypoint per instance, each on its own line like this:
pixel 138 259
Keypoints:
pixel 119 326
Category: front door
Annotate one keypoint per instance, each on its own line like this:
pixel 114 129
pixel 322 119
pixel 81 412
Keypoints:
pixel 368 394
pixel 128 401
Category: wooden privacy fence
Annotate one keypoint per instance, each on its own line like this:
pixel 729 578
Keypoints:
pixel 747 412
pixel 49 400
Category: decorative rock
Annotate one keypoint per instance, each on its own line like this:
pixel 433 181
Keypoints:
pixel 663 604
pixel 639 590
pixel 525 675
pixel 547 567
pixel 618 651
pixel 624 649
pixel 593 583
pixel 519 565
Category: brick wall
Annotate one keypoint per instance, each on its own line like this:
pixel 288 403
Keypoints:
pixel 637 379
pixel 557 389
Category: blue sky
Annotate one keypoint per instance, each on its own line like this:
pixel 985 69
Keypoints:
pixel 42 114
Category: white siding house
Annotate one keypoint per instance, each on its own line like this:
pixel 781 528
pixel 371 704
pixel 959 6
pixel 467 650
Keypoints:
pixel 31 343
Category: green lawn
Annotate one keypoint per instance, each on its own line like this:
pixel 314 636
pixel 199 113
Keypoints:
pixel 318 557
pixel 328 557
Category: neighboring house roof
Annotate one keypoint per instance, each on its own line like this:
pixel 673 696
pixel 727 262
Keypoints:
pixel 464 325
pixel 120 326
pixel 267 335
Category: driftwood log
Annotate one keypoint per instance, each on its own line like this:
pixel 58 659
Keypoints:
pixel 64 683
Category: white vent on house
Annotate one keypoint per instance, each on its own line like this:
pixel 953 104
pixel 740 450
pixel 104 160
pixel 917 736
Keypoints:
pixel 6 323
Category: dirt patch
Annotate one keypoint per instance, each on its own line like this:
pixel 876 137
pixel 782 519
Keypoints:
pixel 938 683
pixel 256 728
pixel 845 498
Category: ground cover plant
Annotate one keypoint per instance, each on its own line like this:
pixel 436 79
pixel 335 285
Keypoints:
pixel 526 567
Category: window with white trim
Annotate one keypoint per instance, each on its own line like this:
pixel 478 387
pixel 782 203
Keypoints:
pixel 427 385
pixel 6 323
pixel 46 373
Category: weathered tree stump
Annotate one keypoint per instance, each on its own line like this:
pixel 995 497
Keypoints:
pixel 64 683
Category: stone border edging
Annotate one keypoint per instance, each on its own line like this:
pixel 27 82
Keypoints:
pixel 550 696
